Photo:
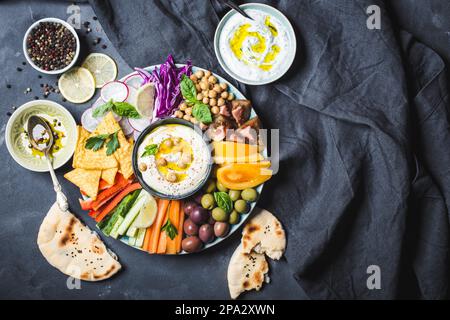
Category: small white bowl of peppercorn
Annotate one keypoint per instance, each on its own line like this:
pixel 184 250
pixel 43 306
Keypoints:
pixel 51 46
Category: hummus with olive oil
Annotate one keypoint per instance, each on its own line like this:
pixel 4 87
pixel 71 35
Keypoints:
pixel 179 161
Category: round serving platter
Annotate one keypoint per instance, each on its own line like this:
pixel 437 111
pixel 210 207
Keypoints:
pixel 244 217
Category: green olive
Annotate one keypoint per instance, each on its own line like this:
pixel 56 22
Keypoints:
pixel 220 215
pixel 235 195
pixel 234 217
pixel 210 186
pixel 221 187
pixel 241 206
pixel 208 201
pixel 249 195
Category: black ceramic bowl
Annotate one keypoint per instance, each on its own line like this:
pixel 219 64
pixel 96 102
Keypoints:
pixel 138 174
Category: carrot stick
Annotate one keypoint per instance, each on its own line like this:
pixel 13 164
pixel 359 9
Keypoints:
pixel 162 243
pixel 162 208
pixel 180 230
pixel 147 237
pixel 114 202
pixel 174 213
pixel 105 195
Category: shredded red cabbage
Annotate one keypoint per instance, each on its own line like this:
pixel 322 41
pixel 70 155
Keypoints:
pixel 167 80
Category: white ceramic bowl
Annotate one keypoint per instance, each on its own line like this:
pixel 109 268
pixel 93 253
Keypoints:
pixel 292 45
pixel 68 26
pixel 19 119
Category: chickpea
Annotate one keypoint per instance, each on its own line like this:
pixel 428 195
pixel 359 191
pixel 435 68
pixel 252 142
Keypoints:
pixel 223 86
pixel 212 102
pixel 224 94
pixel 199 74
pixel 187 117
pixel 221 102
pixel 215 110
pixel 161 162
pixel 181 165
pixel 188 111
pixel 168 143
pixel 179 114
pixel 200 96
pixel 217 88
pixel 203 85
pixel 212 94
pixel 193 120
pixel 207 74
pixel 171 177
pixel 193 77
pixel 212 79
pixel 231 96
pixel 205 100
pixel 198 88
pixel 142 167
pixel 183 106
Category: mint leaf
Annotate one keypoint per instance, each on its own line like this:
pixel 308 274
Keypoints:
pixel 113 144
pixel 104 108
pixel 150 150
pixel 188 90
pixel 223 201
pixel 201 112
pixel 126 110
pixel 96 143
pixel 170 229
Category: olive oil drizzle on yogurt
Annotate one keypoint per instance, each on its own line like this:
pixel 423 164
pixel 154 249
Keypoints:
pixel 172 152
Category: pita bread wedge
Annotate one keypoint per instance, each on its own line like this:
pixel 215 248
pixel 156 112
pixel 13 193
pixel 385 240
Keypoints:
pixel 264 234
pixel 86 180
pixel 246 271
pixel 73 248
pixel 109 175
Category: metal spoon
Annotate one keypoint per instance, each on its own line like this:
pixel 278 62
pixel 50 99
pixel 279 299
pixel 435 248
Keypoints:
pixel 234 6
pixel 38 126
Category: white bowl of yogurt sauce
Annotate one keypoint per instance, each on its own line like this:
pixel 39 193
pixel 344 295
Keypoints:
pixel 258 51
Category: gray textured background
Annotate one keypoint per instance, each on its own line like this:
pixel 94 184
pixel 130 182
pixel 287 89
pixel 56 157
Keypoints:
pixel 27 196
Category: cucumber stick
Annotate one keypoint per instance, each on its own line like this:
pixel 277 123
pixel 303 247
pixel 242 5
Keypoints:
pixel 140 237
pixel 115 230
pixel 131 241
pixel 132 214
pixel 132 231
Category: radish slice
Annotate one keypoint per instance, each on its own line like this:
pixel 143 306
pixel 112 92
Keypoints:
pixel 134 80
pixel 136 134
pixel 88 121
pixel 115 90
pixel 126 127
pixel 139 124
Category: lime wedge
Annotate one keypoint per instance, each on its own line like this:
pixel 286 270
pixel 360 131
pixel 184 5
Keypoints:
pixel 102 67
pixel 145 99
pixel 148 213
pixel 77 85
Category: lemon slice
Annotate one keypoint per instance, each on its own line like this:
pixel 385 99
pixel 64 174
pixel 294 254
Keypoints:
pixel 145 99
pixel 148 213
pixel 77 85
pixel 102 67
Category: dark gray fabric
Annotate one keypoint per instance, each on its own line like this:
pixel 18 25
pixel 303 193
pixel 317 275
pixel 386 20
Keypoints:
pixel 364 126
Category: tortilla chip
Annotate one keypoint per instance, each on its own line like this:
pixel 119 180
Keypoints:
pixel 88 159
pixel 109 175
pixel 124 154
pixel 86 180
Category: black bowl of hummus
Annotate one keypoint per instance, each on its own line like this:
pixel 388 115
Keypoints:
pixel 171 159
